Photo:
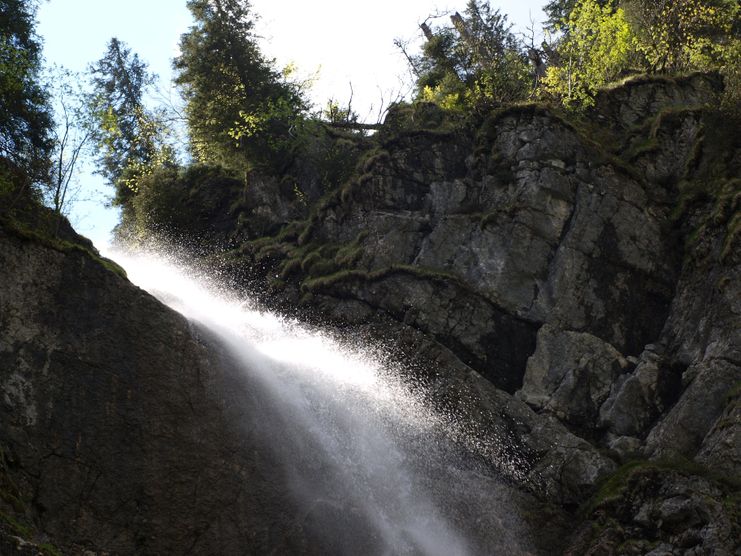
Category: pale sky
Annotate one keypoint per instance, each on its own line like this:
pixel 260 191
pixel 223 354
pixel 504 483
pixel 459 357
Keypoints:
pixel 340 42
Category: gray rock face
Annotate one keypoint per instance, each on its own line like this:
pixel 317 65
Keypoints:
pixel 121 430
pixel 570 375
pixel 656 510
pixel 541 284
pixel 550 260
pixel 636 401
pixel 631 104
pixel 532 227
pixel 125 430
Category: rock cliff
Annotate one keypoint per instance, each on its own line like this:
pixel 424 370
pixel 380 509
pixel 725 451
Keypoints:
pixel 569 286
pixel 121 426
pixel 587 266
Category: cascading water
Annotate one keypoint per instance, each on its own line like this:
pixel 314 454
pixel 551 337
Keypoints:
pixel 369 467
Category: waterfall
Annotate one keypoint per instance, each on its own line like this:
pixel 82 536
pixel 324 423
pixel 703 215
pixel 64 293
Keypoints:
pixel 370 468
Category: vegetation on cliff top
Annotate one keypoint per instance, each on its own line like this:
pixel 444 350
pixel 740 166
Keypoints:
pixel 248 121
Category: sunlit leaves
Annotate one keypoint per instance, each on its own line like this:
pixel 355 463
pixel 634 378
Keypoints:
pixel 474 63
pixel 677 35
pixel 599 45
pixel 239 108
pixel 131 140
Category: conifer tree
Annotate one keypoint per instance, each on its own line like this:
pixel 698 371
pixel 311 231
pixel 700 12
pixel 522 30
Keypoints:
pixel 475 62
pixel 240 110
pixel 130 138
pixel 25 116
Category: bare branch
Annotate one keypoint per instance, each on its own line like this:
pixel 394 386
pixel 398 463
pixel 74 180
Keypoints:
pixel 353 125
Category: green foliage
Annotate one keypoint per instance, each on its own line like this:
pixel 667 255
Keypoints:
pixel 241 112
pixel 600 41
pixel 558 12
pixel 599 45
pixel 178 202
pixel 474 63
pixel 682 35
pixel 131 140
pixel 25 117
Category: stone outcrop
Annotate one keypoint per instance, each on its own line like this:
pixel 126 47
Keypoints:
pixel 117 420
pixel 126 430
pixel 590 267
pixel 570 288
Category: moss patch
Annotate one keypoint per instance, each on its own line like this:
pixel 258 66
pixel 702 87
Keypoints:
pixel 326 282
pixel 27 233
pixel 614 487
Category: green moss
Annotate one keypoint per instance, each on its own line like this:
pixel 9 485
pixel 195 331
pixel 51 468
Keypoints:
pixel 489 129
pixel 642 147
pixel 27 233
pixel 614 487
pixel 375 158
pixel 308 230
pixel 348 256
pixel 677 79
pixel 341 276
pixel 320 261
pixel 324 282
pixel 18 528
pixel 310 260
pixel 290 267
pixel 49 550
pixel 323 267
pixel 351 187
pixel 271 246
pixel 270 250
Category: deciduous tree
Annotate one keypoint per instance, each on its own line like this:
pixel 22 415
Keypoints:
pixel 678 35
pixel 599 45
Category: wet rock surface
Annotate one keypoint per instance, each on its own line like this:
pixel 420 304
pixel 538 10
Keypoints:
pixel 562 240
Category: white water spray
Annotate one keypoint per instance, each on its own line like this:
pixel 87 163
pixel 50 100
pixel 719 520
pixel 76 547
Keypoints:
pixel 367 463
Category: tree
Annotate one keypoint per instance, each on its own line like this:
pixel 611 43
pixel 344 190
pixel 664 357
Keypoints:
pixel 130 139
pixel 678 35
pixel 476 61
pixel 25 117
pixel 599 45
pixel 558 12
pixel 241 112
pixel 72 135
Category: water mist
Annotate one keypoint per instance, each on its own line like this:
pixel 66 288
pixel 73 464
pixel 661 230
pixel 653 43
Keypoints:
pixel 370 468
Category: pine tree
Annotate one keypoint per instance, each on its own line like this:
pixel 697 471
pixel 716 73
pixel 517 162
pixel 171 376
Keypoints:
pixel 130 138
pixel 476 62
pixel 25 116
pixel 240 110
